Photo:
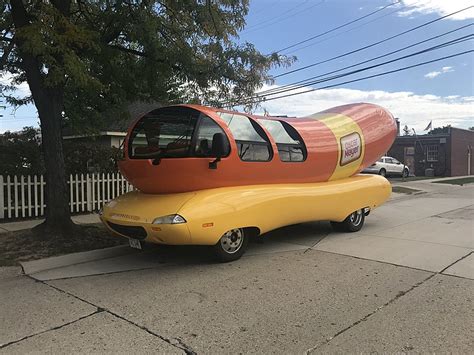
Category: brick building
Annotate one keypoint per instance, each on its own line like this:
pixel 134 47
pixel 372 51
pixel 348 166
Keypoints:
pixel 449 153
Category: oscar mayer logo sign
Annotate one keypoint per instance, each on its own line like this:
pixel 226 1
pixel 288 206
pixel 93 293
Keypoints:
pixel 351 148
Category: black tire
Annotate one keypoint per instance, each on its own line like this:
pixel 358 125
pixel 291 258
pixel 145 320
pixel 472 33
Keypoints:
pixel 383 172
pixel 405 173
pixel 352 223
pixel 231 246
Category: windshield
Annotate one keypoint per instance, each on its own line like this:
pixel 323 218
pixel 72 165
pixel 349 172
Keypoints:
pixel 164 132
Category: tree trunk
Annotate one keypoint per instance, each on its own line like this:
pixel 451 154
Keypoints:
pixel 49 102
pixel 58 217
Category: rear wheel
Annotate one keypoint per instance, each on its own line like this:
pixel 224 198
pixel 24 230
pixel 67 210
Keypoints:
pixel 353 222
pixel 383 172
pixel 231 246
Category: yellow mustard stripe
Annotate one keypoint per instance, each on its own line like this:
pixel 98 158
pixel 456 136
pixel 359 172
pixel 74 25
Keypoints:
pixel 346 128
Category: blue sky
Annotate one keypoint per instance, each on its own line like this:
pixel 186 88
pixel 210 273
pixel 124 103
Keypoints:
pixel 442 91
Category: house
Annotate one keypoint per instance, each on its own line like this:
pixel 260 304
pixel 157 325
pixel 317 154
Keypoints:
pixel 115 132
pixel 442 152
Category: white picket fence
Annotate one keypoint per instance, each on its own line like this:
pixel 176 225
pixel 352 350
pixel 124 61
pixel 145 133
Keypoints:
pixel 24 196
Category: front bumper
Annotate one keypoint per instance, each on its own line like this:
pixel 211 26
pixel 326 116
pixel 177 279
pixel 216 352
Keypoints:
pixel 171 234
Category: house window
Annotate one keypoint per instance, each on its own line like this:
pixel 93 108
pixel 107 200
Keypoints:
pixel 409 150
pixel 252 142
pixel 432 153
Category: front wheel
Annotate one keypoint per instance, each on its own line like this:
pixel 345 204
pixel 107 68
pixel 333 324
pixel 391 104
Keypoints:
pixel 353 222
pixel 231 246
pixel 405 173
pixel 383 172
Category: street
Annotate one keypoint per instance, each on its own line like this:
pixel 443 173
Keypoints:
pixel 404 283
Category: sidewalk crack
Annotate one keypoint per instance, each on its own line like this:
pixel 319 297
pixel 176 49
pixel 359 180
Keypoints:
pixel 175 342
pixel 319 241
pixel 2 346
pixel 397 296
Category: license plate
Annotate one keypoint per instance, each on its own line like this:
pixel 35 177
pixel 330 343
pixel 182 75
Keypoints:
pixel 135 243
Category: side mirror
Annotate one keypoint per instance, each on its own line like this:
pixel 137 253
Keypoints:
pixel 220 148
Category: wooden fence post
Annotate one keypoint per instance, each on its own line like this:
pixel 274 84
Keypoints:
pixel 89 193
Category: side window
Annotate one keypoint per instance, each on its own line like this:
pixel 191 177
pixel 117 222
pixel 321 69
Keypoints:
pixel 204 136
pixel 290 145
pixel 252 142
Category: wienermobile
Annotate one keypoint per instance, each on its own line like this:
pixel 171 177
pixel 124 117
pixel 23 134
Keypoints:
pixel 207 176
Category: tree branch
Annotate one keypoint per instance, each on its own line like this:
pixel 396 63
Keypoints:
pixel 212 16
pixel 6 53
pixel 142 54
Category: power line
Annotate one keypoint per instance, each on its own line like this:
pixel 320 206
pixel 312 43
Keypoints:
pixel 372 44
pixel 369 77
pixel 283 17
pixel 330 78
pixel 356 80
pixel 304 81
pixel 337 27
pixel 348 30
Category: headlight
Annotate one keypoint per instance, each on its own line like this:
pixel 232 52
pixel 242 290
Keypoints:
pixel 170 219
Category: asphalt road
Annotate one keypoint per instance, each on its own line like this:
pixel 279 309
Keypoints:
pixel 405 283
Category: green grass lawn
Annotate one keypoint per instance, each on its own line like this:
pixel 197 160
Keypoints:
pixel 461 181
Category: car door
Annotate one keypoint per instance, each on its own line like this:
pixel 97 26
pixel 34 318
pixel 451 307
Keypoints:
pixel 387 164
pixel 397 166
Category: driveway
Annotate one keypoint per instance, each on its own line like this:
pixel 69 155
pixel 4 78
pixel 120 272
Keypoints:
pixel 402 284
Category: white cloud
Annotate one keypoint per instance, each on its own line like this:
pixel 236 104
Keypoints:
pixel 21 91
pixel 412 109
pixel 436 73
pixel 432 74
pixel 439 7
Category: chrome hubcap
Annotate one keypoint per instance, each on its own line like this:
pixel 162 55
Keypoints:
pixel 356 218
pixel 232 241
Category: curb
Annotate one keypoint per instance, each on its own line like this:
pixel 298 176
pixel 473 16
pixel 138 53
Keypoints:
pixel 36 266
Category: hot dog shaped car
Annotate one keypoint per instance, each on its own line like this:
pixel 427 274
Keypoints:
pixel 213 177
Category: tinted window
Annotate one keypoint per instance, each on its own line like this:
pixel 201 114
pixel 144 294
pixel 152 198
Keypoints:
pixel 241 128
pixel 204 136
pixel 278 132
pixel 252 142
pixel 290 144
pixel 165 132
pixel 253 152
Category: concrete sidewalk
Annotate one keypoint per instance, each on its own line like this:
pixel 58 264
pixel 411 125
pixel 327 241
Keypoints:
pixel 403 284
pixel 30 223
